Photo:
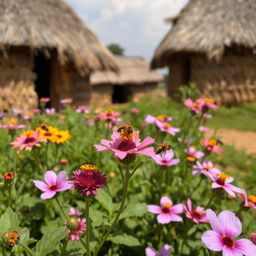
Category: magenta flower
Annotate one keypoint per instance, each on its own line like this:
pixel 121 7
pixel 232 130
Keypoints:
pixel 207 103
pixel 76 233
pixel 203 129
pixel 226 227
pixel 166 159
pixel 44 100
pixel 154 120
pixel 28 140
pixel 86 182
pixel 166 127
pixel 109 115
pixel 194 106
pixel 135 111
pixel 27 117
pixel 222 181
pixel 53 184
pixel 197 215
pixel 50 111
pixel 211 145
pixel 83 109
pixel 66 101
pixel 193 154
pixel 167 212
pixel 123 144
pixel 74 212
pixel 18 112
pixel 12 126
pixel 206 168
pixel 164 251
pixel 249 201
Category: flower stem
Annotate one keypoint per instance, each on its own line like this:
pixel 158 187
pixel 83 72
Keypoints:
pixel 210 201
pixel 62 213
pixel 105 236
pixel 87 208
pixel 26 249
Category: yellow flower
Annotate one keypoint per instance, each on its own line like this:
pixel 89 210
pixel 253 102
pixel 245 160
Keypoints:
pixel 61 136
pixel 47 132
pixel 89 167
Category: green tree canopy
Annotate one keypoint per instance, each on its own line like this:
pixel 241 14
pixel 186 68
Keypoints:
pixel 116 49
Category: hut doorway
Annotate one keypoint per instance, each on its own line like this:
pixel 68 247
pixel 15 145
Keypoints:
pixel 120 94
pixel 42 69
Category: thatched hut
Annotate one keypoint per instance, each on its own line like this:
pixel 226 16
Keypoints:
pixel 134 80
pixel 212 43
pixel 46 50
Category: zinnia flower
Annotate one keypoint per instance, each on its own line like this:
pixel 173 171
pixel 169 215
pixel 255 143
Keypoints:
pixel 197 215
pixel 28 140
pixel 66 101
pixel 166 127
pixel 50 111
pixel 87 181
pixel 167 212
pixel 83 109
pixel 126 143
pixel 226 227
pixel 212 145
pixel 135 111
pixel 164 251
pixel 78 230
pixel 154 120
pixel 193 154
pixel 194 106
pixel 109 115
pixel 249 201
pixel 12 125
pixel 207 103
pixel 206 168
pixel 166 159
pixel 44 100
pixel 74 212
pixel 53 184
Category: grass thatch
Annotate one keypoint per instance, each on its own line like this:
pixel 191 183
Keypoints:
pixel 133 70
pixel 52 25
pixel 208 26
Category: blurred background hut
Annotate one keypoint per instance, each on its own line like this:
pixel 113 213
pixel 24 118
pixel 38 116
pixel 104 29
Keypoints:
pixel 134 80
pixel 212 43
pixel 46 51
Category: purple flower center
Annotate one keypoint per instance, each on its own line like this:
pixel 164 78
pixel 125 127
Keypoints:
pixel 29 140
pixel 166 210
pixel 196 214
pixel 164 161
pixel 228 241
pixel 53 187
pixel 126 145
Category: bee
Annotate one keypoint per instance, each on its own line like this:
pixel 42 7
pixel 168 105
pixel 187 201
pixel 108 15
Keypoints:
pixel 162 149
pixel 125 129
pixel 11 238
pixel 44 127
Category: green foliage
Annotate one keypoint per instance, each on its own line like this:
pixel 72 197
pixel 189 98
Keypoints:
pixel 116 49
pixel 125 240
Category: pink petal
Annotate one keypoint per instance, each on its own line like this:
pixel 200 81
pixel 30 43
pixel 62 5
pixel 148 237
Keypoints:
pixel 189 204
pixel 147 141
pixel 165 250
pixel 150 119
pixel 61 178
pixel 215 224
pixel 50 177
pixel 229 190
pixel 174 162
pixel 48 195
pixel 169 155
pixel 100 148
pixel 41 185
pixel 120 154
pixel 176 218
pixel 105 142
pixel 64 186
pixel 154 209
pixel 164 218
pixel 231 225
pixel 165 200
pixel 151 252
pixel 178 208
pixel 147 151
pixel 227 251
pixel 212 240
pixel 246 246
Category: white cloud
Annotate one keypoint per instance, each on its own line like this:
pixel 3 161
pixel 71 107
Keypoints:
pixel 137 25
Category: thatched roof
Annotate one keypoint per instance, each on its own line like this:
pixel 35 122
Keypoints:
pixel 208 26
pixel 133 70
pixel 52 24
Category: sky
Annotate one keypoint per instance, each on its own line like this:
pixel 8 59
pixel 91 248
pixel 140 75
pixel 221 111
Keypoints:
pixel 137 25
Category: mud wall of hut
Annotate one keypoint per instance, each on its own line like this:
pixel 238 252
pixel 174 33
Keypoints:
pixel 141 90
pixel 101 94
pixel 231 81
pixel 17 79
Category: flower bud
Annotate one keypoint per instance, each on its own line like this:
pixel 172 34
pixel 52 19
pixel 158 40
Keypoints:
pixel 9 177
pixel 72 223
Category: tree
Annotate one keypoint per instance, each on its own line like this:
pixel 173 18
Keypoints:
pixel 116 49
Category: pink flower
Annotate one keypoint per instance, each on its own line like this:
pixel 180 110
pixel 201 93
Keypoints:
pixel 166 211
pixel 27 117
pixel 124 144
pixel 226 227
pixel 252 237
pixel 166 127
pixel 53 184
pixel 207 103
pixel 206 168
pixel 164 251
pixel 74 212
pixel 166 159
pixel 197 215
pixel 28 140
pixel 153 120
pixel 249 201
pixel 44 100
pixel 194 106
pixel 90 123
pixel 83 109
pixel 193 154
pixel 203 129
pixel 18 112
pixel 109 115
pixel 212 145
pixel 66 101
pixel 86 182
pixel 135 111
pixel 50 111
pixel 207 115
pixel 12 126
pixel 37 111
pixel 223 181
pixel 76 233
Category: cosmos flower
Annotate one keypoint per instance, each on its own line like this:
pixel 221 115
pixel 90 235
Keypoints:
pixel 83 109
pixel 167 212
pixel 74 212
pixel 194 106
pixel 222 181
pixel 88 180
pixel 28 140
pixel 193 154
pixel 50 111
pixel 203 129
pixel 249 201
pixel 53 184
pixel 124 144
pixel 206 168
pixel 12 126
pixel 164 251
pixel 207 103
pixel 66 101
pixel 166 159
pixel 212 145
pixel 197 215
pixel 18 112
pixel 226 227
pixel 109 115
pixel 154 120
pixel 44 100
pixel 166 127
pixel 135 111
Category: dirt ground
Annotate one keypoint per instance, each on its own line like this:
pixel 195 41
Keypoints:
pixel 245 140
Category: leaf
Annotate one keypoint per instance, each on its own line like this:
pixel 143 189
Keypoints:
pixel 51 240
pixel 133 210
pixel 9 220
pixel 105 200
pixel 125 240
pixel 97 217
